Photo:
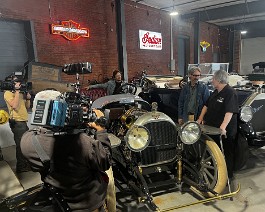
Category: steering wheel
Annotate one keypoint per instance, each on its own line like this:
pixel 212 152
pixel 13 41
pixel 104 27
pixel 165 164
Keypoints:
pixel 127 88
pixel 183 82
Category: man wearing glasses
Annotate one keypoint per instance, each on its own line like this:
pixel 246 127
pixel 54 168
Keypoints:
pixel 192 97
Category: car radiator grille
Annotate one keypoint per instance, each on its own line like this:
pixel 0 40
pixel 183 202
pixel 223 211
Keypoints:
pixel 163 143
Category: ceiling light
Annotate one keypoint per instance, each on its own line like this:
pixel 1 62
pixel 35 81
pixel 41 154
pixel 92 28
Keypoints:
pixel 243 32
pixel 173 13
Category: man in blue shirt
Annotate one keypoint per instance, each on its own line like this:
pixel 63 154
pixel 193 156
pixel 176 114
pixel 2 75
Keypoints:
pixel 192 97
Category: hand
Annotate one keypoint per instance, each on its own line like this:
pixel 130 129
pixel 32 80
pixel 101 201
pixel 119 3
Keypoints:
pixel 17 85
pixel 223 131
pixel 28 96
pixel 87 88
pixel 199 121
pixel 180 121
pixel 93 124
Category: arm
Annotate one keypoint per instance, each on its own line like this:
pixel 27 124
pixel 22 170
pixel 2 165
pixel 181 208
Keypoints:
pixel 102 146
pixel 200 119
pixel 14 103
pixel 27 104
pixel 103 85
pixel 225 122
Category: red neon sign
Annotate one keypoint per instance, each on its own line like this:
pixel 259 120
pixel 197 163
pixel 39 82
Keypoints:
pixel 70 30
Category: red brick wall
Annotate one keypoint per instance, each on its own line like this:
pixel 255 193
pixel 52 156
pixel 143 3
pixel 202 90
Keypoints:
pixel 101 48
pixel 97 15
pixel 224 45
pixel 150 19
pixel 145 18
pixel 209 33
pixel 237 52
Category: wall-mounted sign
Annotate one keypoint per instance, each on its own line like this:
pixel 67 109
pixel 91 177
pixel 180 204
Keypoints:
pixel 70 30
pixel 150 40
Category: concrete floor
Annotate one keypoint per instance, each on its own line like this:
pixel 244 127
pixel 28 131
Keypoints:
pixel 251 197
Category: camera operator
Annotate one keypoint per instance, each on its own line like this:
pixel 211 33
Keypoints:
pixel 18 117
pixel 77 164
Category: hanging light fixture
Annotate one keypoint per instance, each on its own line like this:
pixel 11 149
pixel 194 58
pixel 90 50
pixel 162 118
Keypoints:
pixel 173 12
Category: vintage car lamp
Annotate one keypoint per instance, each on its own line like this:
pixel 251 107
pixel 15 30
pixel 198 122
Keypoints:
pixel 190 132
pixel 137 138
pixel 246 113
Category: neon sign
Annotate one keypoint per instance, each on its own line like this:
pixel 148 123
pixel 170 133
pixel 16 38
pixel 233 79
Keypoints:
pixel 70 30
pixel 150 40
pixel 204 45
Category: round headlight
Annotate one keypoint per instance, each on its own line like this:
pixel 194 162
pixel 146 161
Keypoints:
pixel 246 113
pixel 137 138
pixel 190 132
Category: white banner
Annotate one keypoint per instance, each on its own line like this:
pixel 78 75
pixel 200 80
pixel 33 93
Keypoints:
pixel 150 40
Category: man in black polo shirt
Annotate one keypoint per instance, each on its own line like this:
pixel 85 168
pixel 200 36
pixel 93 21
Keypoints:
pixel 221 111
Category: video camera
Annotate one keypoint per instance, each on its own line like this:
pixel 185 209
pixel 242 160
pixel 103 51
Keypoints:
pixel 70 111
pixel 9 83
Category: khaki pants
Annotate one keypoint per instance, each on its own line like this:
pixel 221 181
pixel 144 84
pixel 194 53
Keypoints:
pixel 191 118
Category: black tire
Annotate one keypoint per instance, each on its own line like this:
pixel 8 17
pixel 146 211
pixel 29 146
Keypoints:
pixel 241 152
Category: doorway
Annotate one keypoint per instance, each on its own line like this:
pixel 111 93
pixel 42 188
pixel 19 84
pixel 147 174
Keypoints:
pixel 183 54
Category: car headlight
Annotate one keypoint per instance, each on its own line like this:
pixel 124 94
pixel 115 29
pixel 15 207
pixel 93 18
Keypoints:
pixel 137 138
pixel 190 132
pixel 246 113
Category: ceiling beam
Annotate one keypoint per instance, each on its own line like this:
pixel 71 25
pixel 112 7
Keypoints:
pixel 229 11
pixel 254 29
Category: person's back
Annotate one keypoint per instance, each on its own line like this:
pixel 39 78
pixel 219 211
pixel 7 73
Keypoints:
pixel 70 161
pixel 77 166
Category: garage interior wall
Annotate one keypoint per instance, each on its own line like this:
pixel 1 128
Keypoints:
pixel 252 51
pixel 101 47
pixel 13 52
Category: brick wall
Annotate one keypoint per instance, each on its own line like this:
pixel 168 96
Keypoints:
pixel 237 52
pixel 209 33
pixel 101 48
pixel 97 15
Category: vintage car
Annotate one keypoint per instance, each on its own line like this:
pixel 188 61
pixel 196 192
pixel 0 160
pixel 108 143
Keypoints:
pixel 150 143
pixel 251 96
pixel 145 143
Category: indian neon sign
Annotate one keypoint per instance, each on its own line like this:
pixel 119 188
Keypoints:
pixel 70 30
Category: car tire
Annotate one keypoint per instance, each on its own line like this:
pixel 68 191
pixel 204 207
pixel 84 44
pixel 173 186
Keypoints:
pixel 217 160
pixel 241 152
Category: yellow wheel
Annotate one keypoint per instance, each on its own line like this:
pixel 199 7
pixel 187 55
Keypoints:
pixel 206 167
pixel 3 117
pixel 221 172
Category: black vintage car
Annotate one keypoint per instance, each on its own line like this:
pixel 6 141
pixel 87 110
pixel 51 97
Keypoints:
pixel 151 143
pixel 146 143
